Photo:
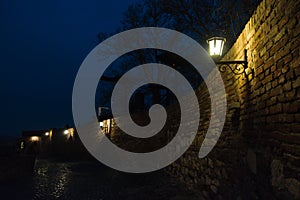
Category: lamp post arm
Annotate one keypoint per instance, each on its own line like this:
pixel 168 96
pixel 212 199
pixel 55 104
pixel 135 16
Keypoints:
pixel 237 66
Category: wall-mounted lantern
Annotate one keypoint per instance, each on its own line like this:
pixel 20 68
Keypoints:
pixel 48 134
pixel 216 45
pixel 66 132
pixel 69 133
pixel 101 124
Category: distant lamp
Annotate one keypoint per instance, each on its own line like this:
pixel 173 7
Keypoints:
pixel 22 145
pixel 101 124
pixel 69 133
pixel 216 45
pixel 47 134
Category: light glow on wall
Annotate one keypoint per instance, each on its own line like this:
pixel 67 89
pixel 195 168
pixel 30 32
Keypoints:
pixel 34 138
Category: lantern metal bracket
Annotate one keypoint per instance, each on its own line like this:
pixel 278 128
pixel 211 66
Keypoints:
pixel 237 67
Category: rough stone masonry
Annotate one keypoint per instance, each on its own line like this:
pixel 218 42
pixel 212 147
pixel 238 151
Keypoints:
pixel 258 153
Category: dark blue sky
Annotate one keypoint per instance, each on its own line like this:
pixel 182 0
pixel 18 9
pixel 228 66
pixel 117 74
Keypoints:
pixel 42 44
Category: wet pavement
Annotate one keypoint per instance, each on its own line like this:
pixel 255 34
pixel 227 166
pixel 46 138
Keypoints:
pixel 92 180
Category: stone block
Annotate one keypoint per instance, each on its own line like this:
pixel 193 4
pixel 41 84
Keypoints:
pixel 277 174
pixel 287 86
pixel 296 83
pixel 293 187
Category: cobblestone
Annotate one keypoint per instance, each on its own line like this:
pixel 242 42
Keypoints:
pixel 90 180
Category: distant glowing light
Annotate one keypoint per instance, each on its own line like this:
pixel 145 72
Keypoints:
pixel 22 145
pixel 69 133
pixel 101 124
pixel 34 138
pixel 47 134
pixel 216 45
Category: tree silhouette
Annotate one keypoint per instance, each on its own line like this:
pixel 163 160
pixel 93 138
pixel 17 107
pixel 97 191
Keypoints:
pixel 198 19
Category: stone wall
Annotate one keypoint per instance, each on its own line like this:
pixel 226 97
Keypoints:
pixel 258 153
pixel 269 96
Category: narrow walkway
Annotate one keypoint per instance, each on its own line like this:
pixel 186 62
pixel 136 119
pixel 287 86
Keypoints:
pixel 89 180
